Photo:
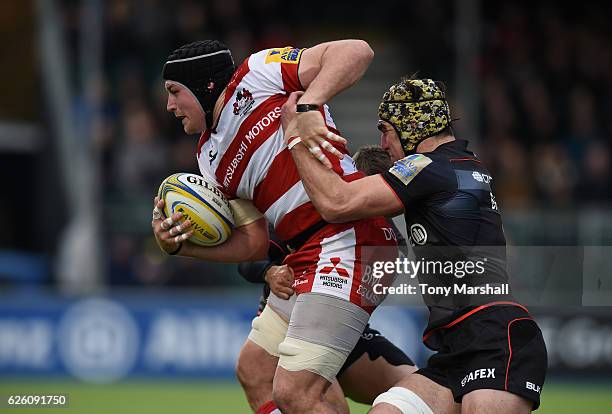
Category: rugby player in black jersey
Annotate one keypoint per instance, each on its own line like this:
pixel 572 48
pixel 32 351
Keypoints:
pixel 374 365
pixel 490 355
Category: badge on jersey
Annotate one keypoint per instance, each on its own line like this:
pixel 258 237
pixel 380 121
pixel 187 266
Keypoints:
pixel 243 103
pixel 284 55
pixel 408 168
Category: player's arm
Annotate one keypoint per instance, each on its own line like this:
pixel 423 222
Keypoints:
pixel 255 271
pixel 326 70
pixel 339 201
pixel 248 242
pixel 335 199
pixel 279 277
pixel 329 68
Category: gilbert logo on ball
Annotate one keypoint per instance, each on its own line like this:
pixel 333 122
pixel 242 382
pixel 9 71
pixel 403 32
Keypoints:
pixel 202 203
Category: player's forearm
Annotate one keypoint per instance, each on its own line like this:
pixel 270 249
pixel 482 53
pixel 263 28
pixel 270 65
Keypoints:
pixel 342 64
pixel 240 247
pixel 226 253
pixel 325 188
pixel 254 272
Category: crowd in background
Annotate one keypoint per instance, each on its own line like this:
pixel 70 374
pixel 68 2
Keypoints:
pixel 545 99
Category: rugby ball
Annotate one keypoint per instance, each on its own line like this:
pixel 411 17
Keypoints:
pixel 202 203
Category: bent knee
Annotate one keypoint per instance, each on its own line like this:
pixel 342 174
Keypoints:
pixel 290 399
pixel 283 397
pixel 297 391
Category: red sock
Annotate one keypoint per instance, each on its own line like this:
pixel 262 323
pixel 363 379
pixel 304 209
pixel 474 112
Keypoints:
pixel 268 408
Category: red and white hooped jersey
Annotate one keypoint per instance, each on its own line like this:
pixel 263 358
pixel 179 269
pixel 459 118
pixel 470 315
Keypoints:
pixel 245 154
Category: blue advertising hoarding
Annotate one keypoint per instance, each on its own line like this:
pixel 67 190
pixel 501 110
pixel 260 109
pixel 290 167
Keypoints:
pixel 107 338
pixel 199 335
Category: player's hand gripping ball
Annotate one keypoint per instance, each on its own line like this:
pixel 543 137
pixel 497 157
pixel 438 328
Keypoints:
pixel 200 202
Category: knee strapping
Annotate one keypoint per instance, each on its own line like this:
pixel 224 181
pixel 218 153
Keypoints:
pixel 298 355
pixel 404 400
pixel 268 331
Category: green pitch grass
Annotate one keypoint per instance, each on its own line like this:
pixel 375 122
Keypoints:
pixel 150 397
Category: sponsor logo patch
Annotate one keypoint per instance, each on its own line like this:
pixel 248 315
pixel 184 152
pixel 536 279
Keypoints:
pixel 336 265
pixel 284 55
pixel 408 168
pixel 481 177
pixel 493 202
pixel 533 387
pixel 244 102
pixel 418 234
pixel 482 373
pixel 265 122
pixel 299 282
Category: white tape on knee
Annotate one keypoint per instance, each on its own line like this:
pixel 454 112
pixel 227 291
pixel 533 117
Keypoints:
pixel 404 400
pixel 299 355
pixel 268 331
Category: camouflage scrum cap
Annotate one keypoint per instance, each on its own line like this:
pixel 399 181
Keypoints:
pixel 417 109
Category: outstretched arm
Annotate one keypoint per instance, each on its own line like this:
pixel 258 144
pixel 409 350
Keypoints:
pixel 339 201
pixel 335 199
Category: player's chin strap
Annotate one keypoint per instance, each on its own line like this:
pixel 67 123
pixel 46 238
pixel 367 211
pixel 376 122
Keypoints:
pixel 404 400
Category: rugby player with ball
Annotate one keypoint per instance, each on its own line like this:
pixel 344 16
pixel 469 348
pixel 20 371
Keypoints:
pixel 305 341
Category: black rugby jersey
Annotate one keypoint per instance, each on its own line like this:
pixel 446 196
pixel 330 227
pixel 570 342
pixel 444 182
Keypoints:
pixel 452 220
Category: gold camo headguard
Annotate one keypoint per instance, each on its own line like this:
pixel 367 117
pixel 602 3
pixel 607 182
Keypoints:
pixel 417 109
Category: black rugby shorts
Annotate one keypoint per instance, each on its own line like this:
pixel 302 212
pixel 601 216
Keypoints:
pixel 499 347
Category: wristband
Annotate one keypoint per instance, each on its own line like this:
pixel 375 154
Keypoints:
pixel 265 270
pixel 178 249
pixel 307 107
pixel 293 141
pixel 255 272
